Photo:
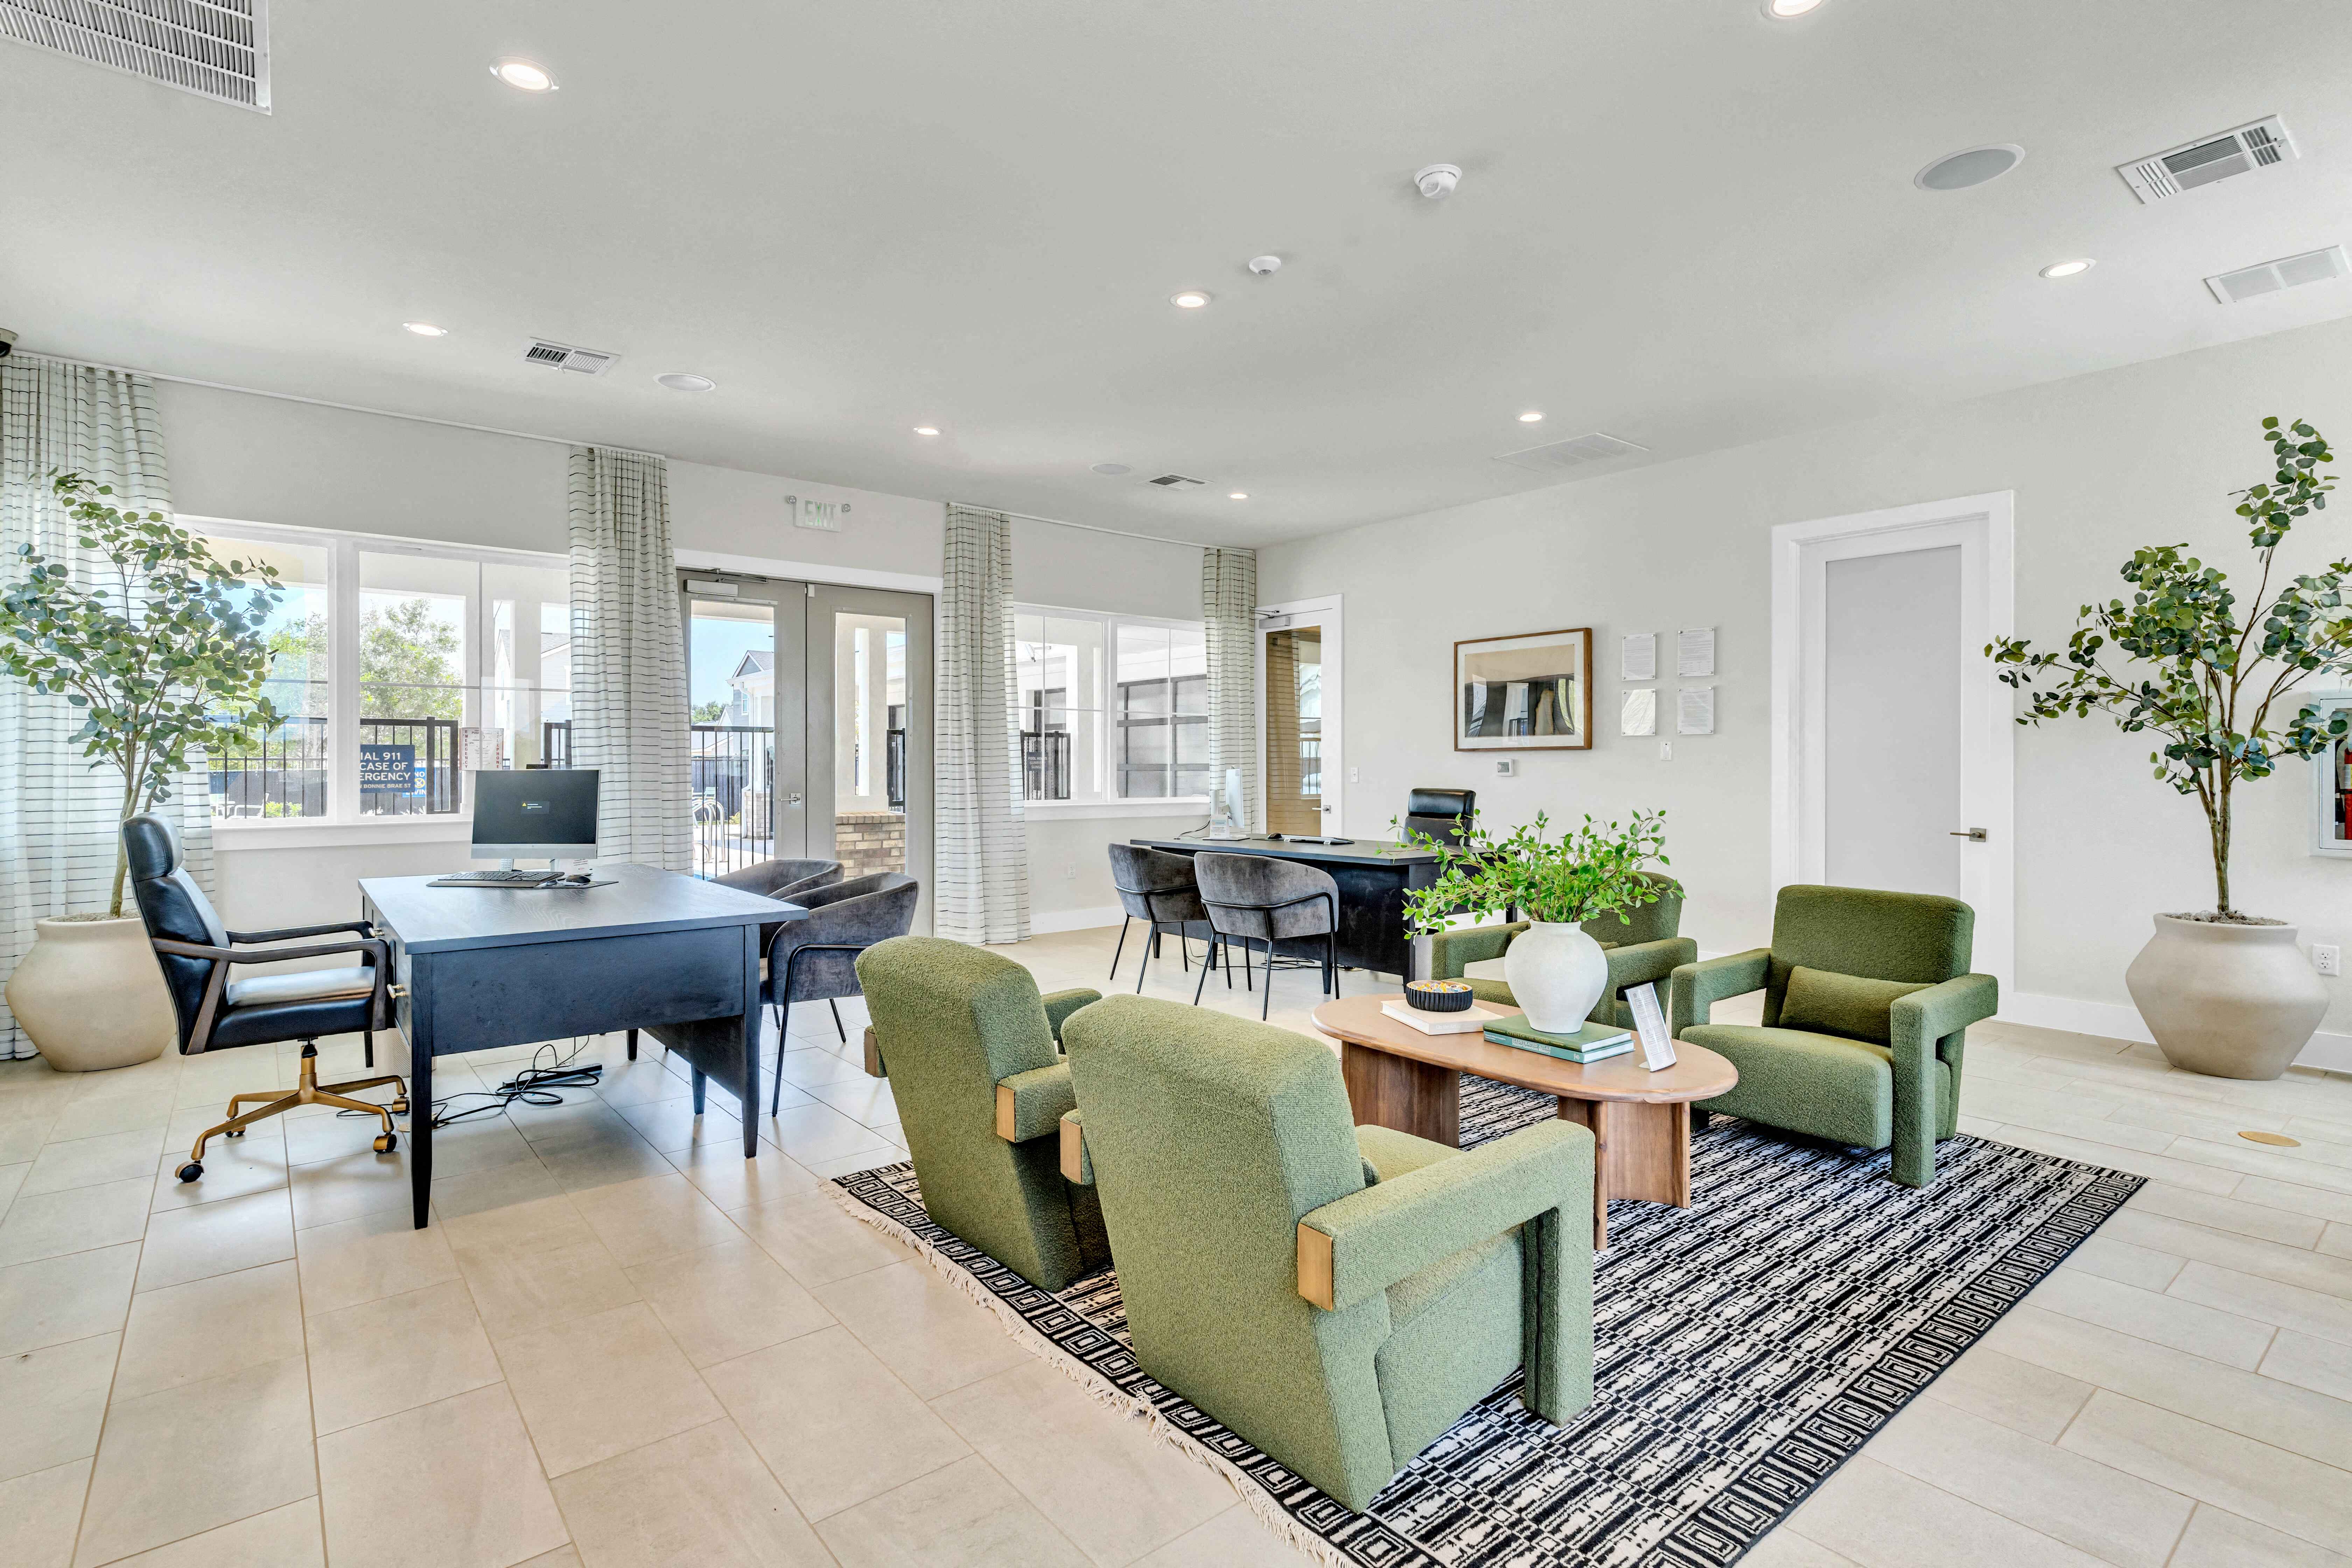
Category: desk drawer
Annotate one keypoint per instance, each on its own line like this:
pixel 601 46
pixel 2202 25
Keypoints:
pixel 481 998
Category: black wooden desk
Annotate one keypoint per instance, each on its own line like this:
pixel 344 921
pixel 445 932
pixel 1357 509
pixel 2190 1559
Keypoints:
pixel 478 968
pixel 1373 876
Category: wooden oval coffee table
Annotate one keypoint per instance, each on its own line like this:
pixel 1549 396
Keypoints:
pixel 1398 1077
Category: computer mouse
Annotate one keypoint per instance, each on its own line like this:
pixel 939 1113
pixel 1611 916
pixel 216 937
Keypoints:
pixel 577 879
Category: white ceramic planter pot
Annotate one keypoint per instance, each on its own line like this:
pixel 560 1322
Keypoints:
pixel 1555 973
pixel 2232 1001
pixel 91 996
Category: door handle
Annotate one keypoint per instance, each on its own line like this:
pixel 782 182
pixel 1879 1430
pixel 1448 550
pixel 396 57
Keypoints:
pixel 1974 834
pixel 791 800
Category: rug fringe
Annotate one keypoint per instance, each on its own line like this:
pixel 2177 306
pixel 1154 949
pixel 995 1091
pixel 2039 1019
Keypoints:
pixel 1103 1392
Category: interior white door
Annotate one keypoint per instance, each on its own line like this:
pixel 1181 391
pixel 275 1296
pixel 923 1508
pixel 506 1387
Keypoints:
pixel 1299 714
pixel 1892 736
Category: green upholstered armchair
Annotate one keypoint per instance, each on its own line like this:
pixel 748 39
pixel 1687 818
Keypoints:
pixel 1339 1324
pixel 1644 949
pixel 1867 1000
pixel 970 1050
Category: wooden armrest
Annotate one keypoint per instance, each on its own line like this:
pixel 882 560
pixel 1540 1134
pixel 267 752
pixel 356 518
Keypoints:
pixel 1315 1266
pixel 873 1067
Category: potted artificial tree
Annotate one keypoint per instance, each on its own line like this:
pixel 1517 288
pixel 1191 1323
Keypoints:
pixel 1555 969
pixel 159 646
pixel 2222 992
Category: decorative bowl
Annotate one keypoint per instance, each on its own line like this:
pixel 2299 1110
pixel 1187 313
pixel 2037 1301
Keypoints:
pixel 1439 995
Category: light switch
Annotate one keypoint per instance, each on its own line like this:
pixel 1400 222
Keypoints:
pixel 1665 750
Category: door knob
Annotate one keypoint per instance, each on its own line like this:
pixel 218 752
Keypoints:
pixel 791 800
pixel 1974 834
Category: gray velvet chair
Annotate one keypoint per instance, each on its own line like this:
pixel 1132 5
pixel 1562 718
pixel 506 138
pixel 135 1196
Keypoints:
pixel 783 878
pixel 1261 903
pixel 1163 892
pixel 815 960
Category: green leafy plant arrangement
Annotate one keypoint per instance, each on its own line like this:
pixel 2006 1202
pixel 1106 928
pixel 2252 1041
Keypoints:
pixel 1586 872
pixel 160 644
pixel 2208 677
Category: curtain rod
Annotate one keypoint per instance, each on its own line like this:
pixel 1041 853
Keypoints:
pixel 327 402
pixel 1097 528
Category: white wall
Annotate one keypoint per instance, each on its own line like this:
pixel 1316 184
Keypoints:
pixel 261 459
pixel 2100 465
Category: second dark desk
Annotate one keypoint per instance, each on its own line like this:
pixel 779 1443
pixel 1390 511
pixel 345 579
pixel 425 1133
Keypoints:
pixel 479 968
pixel 1373 876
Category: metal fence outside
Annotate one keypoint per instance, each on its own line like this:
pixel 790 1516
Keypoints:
pixel 1045 765
pixel 285 773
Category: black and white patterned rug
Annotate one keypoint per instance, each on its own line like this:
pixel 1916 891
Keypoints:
pixel 1746 1347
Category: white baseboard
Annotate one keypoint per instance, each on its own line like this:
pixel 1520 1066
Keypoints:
pixel 1074 920
pixel 2121 1021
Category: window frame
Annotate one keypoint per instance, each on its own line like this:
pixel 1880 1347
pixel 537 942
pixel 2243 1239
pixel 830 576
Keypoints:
pixel 1107 727
pixel 343 820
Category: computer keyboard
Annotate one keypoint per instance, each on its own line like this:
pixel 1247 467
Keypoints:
pixel 494 878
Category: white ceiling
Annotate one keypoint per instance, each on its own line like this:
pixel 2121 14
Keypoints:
pixel 1679 223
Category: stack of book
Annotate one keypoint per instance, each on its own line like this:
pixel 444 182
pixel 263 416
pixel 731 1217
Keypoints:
pixel 1592 1043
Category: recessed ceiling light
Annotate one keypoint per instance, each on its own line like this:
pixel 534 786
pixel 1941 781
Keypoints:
pixel 2068 268
pixel 524 75
pixel 1190 300
pixel 1237 495
pixel 425 329
pixel 684 380
pixel 1971 166
pixel 1532 416
pixel 1111 469
pixel 1781 10
pixel 927 429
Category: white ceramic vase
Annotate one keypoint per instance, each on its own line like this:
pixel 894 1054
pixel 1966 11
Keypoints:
pixel 91 996
pixel 2231 1001
pixel 1555 973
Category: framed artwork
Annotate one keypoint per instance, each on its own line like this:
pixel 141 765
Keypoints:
pixel 1530 693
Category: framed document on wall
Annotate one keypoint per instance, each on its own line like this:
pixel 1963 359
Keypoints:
pixel 1528 693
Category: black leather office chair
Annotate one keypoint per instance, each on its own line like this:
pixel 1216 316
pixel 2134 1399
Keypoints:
pixel 815 960
pixel 1439 813
pixel 215 1012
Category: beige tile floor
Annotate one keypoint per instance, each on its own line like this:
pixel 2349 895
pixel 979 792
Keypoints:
pixel 620 1344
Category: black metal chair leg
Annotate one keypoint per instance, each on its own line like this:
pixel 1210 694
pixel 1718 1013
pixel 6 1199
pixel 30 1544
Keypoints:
pixel 839 1027
pixel 1184 947
pixel 1121 951
pixel 1265 998
pixel 632 1045
pixel 1143 965
pixel 367 1047
pixel 1208 962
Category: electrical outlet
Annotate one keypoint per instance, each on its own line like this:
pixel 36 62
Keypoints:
pixel 2327 958
pixel 1069 873
pixel 1506 767
pixel 1355 775
pixel 1665 750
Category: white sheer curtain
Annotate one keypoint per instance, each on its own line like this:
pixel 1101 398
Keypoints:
pixel 982 845
pixel 628 657
pixel 1229 613
pixel 59 828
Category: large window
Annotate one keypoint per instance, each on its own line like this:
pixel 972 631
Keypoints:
pixel 1112 707
pixel 401 669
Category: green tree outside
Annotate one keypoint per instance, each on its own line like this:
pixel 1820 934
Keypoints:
pixel 411 663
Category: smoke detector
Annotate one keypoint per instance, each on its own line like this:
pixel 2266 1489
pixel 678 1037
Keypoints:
pixel 2288 273
pixel 1264 265
pixel 2160 176
pixel 563 356
pixel 1437 182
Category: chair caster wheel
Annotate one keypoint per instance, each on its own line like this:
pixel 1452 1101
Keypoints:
pixel 239 1133
pixel 386 1142
pixel 400 1106
pixel 191 1171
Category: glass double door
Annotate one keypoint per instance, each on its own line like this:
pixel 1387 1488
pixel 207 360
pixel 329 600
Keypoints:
pixel 808 709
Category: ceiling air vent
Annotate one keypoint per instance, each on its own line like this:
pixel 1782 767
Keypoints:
pixel 1572 453
pixel 1175 481
pixel 2211 158
pixel 561 356
pixel 2288 273
pixel 216 49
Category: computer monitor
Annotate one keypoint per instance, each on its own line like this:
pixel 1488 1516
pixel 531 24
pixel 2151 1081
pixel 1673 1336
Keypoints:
pixel 523 814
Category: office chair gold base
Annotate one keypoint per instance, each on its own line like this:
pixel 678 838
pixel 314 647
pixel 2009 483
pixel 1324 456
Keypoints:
pixel 308 1091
